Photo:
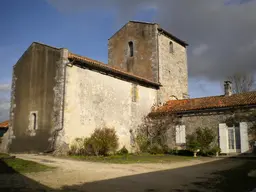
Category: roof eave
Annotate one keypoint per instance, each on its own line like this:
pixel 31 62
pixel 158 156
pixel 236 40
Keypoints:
pixel 181 42
pixel 180 112
pixel 122 75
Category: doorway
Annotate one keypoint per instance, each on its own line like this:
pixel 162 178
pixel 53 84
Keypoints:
pixel 234 140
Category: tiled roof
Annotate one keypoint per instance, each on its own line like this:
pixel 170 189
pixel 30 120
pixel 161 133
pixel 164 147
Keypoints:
pixel 4 124
pixel 104 67
pixel 214 102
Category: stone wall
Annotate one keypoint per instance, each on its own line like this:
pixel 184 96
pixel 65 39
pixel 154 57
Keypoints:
pixel 144 62
pixel 34 77
pixel 173 72
pixel 198 120
pixel 94 100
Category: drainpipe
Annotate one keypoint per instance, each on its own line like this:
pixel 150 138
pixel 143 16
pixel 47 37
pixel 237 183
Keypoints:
pixel 64 61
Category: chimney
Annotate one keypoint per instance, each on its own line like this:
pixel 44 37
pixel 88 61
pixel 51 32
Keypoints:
pixel 228 88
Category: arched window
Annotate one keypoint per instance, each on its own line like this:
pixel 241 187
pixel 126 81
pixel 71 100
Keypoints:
pixel 131 48
pixel 171 47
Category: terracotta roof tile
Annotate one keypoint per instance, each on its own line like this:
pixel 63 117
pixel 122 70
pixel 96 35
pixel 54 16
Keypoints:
pixel 4 124
pixel 103 66
pixel 212 102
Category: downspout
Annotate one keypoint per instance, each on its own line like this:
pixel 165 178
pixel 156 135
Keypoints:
pixel 64 62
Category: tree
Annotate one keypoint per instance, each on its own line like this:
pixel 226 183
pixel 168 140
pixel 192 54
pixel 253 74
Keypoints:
pixel 242 82
pixel 153 130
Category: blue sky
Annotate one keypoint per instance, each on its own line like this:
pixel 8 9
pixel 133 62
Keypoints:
pixel 84 28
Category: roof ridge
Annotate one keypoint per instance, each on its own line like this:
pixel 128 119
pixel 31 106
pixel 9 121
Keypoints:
pixel 143 22
pixel 210 102
pixel 236 94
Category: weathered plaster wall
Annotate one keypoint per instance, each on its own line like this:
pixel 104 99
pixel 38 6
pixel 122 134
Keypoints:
pixel 144 62
pixel 34 77
pixel 173 73
pixel 94 100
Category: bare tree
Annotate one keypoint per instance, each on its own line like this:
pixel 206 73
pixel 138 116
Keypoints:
pixel 242 82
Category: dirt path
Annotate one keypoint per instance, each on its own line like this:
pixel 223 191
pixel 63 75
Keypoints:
pixel 72 175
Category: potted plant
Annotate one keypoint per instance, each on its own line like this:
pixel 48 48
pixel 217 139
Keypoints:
pixel 194 146
pixel 216 150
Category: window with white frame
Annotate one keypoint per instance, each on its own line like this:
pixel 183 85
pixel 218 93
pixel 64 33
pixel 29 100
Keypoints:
pixel 180 134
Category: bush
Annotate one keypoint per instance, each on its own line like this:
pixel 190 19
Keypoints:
pixel 101 142
pixel 192 143
pixel 201 139
pixel 123 151
pixel 184 152
pixel 142 142
pixel 77 146
pixel 155 149
pixel 104 141
pixel 205 137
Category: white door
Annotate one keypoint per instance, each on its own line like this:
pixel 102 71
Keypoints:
pixel 234 144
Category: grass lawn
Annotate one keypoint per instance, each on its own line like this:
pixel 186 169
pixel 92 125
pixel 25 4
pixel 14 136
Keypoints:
pixel 20 165
pixel 141 158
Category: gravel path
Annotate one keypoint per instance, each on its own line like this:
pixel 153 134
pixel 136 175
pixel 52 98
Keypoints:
pixel 73 175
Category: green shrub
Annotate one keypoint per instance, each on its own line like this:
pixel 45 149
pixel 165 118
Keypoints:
pixel 166 149
pixel 88 147
pixel 184 152
pixel 155 149
pixel 103 141
pixel 192 143
pixel 123 151
pixel 201 139
pixel 205 137
pixel 142 142
pixel 77 147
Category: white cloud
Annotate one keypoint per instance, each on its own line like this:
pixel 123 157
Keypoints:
pixel 5 87
pixel 4 109
pixel 200 50
pixel 249 47
pixel 220 26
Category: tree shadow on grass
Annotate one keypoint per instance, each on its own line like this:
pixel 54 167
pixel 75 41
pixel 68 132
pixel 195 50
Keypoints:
pixel 11 180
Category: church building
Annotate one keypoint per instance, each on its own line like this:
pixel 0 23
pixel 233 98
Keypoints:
pixel 58 96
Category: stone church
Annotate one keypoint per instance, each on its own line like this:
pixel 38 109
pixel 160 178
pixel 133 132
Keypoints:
pixel 58 96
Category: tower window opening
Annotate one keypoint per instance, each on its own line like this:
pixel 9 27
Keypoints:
pixel 131 48
pixel 171 47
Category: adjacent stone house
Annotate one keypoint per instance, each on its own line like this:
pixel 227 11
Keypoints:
pixel 58 96
pixel 213 112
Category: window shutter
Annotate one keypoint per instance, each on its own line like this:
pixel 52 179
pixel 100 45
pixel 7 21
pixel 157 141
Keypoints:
pixel 223 138
pixel 244 137
pixel 180 134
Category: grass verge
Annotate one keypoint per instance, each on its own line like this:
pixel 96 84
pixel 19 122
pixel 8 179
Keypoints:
pixel 131 158
pixel 20 165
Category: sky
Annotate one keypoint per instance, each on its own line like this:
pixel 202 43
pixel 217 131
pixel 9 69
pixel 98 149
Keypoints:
pixel 220 34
